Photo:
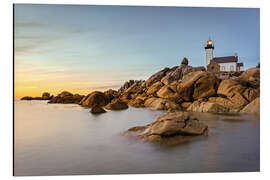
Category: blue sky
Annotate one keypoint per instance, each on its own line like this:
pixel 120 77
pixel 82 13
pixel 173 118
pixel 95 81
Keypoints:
pixel 84 48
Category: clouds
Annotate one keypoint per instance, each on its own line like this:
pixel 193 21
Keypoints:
pixel 99 47
pixel 29 25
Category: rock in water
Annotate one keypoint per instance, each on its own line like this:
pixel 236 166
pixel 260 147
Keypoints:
pixel 116 104
pixel 97 110
pixel 95 98
pixel 253 107
pixel 27 98
pixel 66 97
pixel 171 128
pixel 111 94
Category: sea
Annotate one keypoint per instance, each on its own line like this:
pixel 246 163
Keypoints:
pixel 66 139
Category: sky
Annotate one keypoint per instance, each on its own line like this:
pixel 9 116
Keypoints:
pixel 82 48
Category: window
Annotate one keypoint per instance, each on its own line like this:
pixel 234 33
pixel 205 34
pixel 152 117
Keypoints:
pixel 231 68
pixel 222 68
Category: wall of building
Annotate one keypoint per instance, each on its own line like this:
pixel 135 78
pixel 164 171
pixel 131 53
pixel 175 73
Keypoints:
pixel 209 55
pixel 228 66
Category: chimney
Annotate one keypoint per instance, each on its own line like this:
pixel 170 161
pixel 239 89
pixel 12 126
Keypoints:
pixel 235 54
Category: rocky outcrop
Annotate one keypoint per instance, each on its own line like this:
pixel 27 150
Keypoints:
pixel 28 98
pixel 178 73
pixel 46 96
pixel 253 107
pixel 196 85
pixel 65 94
pixel 238 92
pixel 181 87
pixel 136 87
pixel 156 77
pixel 207 107
pixel 116 104
pixel 111 94
pixel 252 74
pixel 184 61
pixel 185 105
pixel 171 128
pixel 126 85
pixel 66 97
pixel 169 92
pixel 223 102
pixel 138 103
pixel 95 98
pixel 97 110
pixel 154 88
pixel 161 104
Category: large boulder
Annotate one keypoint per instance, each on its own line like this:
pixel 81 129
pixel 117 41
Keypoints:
pixel 238 92
pixel 142 97
pixel 46 96
pixel 136 87
pixel 208 107
pixel 64 94
pixel 253 107
pixel 197 85
pixel 116 104
pixel 224 102
pixel 184 61
pixel 97 110
pixel 252 74
pixel 161 104
pixel 171 128
pixel 67 99
pixel 111 94
pixel 126 85
pixel 185 105
pixel 156 77
pixel 154 88
pixel 136 103
pixel 169 92
pixel 126 97
pixel 95 98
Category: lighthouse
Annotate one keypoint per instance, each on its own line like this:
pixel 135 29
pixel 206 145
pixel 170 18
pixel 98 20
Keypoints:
pixel 226 63
pixel 209 48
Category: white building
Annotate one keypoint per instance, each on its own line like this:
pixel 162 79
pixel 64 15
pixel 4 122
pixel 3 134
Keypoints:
pixel 227 63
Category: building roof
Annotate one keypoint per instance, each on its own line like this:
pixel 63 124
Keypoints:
pixel 226 59
pixel 240 64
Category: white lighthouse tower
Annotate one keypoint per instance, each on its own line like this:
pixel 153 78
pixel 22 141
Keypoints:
pixel 209 48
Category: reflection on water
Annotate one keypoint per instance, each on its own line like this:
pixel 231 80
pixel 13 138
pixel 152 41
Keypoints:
pixel 57 139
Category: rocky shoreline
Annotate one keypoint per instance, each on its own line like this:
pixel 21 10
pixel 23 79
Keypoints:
pixel 178 90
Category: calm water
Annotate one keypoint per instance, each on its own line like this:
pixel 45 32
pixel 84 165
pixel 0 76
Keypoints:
pixel 57 139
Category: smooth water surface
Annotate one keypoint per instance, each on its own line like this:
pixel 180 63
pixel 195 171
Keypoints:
pixel 65 139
